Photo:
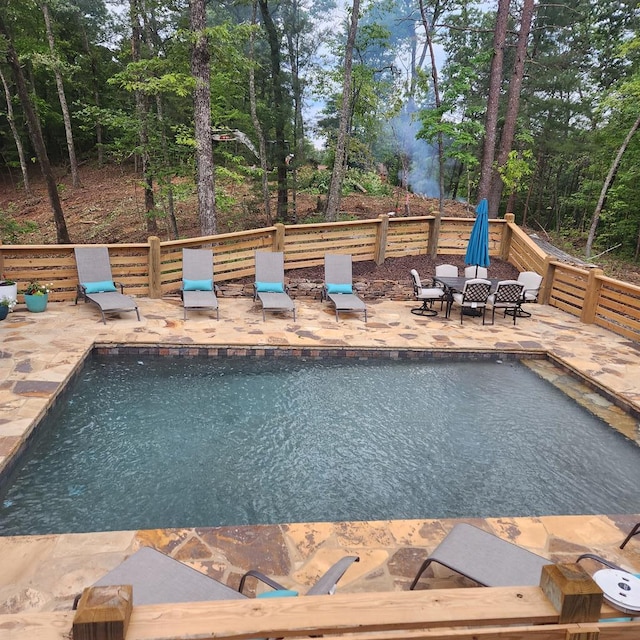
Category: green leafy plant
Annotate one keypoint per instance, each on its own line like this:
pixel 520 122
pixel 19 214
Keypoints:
pixel 7 302
pixel 37 289
pixel 4 281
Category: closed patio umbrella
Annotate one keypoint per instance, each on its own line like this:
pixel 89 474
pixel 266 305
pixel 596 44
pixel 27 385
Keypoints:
pixel 478 247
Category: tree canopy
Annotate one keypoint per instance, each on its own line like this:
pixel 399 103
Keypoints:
pixel 532 105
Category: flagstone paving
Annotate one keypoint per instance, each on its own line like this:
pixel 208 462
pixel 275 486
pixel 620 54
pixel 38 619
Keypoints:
pixel 39 352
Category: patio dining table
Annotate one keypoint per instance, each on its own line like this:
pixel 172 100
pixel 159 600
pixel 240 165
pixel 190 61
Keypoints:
pixel 456 285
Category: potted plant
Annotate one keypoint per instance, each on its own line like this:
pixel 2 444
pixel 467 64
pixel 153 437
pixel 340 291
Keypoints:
pixel 36 296
pixel 6 304
pixel 9 290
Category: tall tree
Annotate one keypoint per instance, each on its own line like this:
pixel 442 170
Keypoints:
pixel 16 135
pixel 201 70
pixel 280 106
pixel 493 99
pixel 57 71
pixel 35 133
pixel 340 160
pixel 513 104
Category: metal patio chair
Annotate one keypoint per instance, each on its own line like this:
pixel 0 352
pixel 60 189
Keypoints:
pixel 428 295
pixel 507 296
pixel 473 298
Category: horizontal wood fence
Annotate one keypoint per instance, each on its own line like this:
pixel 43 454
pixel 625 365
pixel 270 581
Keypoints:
pixel 475 613
pixel 154 268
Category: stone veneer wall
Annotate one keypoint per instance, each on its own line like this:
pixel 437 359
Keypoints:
pixel 311 289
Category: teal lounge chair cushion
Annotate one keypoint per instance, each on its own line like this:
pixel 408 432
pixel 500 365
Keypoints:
pixel 99 287
pixel 339 288
pixel 269 287
pixel 278 593
pixel 197 285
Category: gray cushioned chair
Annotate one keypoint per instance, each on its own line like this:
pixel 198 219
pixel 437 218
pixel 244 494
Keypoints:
pixel 338 285
pixel 198 289
pixel 96 282
pixel 269 286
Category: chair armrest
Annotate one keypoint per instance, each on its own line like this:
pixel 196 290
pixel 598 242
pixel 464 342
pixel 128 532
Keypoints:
pixel 119 284
pixel 253 573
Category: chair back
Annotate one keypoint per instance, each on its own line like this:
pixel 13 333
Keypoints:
pixel 93 264
pixel 197 264
pixel 476 290
pixel 415 279
pixel 475 271
pixel 269 266
pixel 508 292
pixel 532 282
pixel 338 268
pixel 447 271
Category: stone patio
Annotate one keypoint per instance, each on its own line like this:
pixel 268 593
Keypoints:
pixel 40 352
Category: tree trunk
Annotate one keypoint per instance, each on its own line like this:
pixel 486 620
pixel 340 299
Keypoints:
pixel 66 117
pixel 201 71
pixel 605 187
pixel 435 230
pixel 340 161
pixel 142 109
pixel 513 104
pixel 256 121
pixel 280 110
pixel 16 136
pixel 493 100
pixel 35 133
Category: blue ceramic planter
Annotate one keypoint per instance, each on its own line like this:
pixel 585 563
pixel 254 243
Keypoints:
pixel 3 312
pixel 37 304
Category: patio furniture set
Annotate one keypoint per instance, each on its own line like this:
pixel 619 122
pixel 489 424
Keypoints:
pixel 474 291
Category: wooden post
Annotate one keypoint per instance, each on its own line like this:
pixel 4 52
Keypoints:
pixel 507 233
pixel 155 282
pixel 278 238
pixel 381 238
pixel 547 280
pixel 103 613
pixel 434 235
pixel 591 296
pixel 572 591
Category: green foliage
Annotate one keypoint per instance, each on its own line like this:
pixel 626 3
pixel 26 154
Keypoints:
pixel 11 230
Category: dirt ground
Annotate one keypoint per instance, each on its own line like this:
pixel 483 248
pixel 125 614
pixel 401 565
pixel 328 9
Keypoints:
pixel 109 208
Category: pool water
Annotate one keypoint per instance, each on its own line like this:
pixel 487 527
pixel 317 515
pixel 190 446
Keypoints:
pixel 177 442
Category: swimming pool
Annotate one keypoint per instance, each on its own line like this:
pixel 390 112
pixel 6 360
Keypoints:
pixel 144 442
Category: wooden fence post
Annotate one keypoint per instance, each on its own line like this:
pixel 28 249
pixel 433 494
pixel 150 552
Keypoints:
pixel 507 234
pixel 434 235
pixel 103 613
pixel 381 238
pixel 591 296
pixel 155 281
pixel 572 591
pixel 547 280
pixel 278 238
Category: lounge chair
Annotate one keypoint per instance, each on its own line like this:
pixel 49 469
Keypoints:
pixel 338 285
pixel 493 562
pixel 156 578
pixel 428 295
pixel 473 298
pixel 634 532
pixel 507 296
pixel 269 286
pixel 96 282
pixel 485 559
pixel 198 290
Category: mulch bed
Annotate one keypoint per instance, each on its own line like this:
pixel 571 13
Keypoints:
pixel 397 269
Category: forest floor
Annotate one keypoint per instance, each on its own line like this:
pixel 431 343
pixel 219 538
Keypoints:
pixel 109 208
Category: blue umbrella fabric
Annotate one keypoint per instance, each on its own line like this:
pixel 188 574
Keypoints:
pixel 478 247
